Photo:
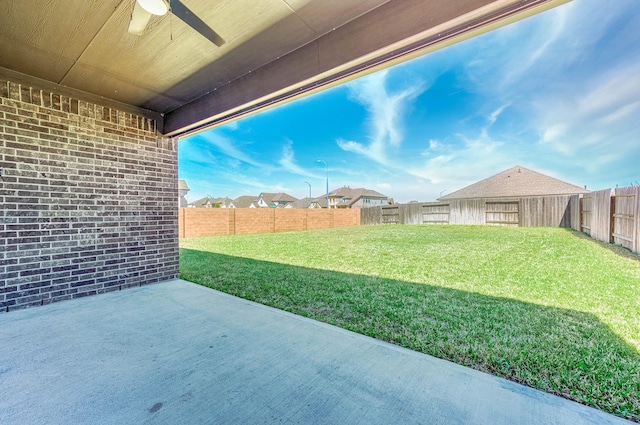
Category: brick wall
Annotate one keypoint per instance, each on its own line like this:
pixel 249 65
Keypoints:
pixel 88 196
pixel 318 219
pixel 253 220
pixel 290 220
pixel 196 222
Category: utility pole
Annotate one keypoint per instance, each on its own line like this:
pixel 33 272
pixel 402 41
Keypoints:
pixel 309 188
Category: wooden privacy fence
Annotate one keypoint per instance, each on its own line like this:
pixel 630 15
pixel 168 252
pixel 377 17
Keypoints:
pixel 626 222
pixel 195 222
pixel 606 215
pixel 542 211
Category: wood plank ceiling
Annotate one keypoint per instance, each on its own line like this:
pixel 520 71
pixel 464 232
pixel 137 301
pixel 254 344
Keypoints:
pixel 274 50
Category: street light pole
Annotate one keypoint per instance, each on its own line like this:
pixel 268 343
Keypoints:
pixel 326 165
pixel 309 188
pixel 441 192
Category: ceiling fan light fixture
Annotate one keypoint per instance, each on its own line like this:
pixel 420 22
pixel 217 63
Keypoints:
pixel 155 7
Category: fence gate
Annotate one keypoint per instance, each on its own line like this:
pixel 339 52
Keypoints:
pixel 435 213
pixel 624 216
pixel 391 215
pixel 502 213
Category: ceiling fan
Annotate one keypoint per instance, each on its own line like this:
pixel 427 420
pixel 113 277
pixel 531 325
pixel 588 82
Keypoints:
pixel 143 9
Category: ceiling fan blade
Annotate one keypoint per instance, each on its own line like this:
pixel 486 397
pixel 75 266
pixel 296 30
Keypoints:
pixel 182 12
pixel 139 19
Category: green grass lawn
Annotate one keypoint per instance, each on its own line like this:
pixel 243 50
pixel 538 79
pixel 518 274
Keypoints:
pixel 545 307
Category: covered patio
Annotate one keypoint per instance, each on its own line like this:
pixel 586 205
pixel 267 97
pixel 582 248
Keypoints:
pixel 90 118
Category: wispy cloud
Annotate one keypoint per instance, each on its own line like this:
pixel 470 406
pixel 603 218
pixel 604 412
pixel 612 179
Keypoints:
pixel 600 123
pixel 572 77
pixel 385 109
pixel 288 161
pixel 227 147
pixel 462 163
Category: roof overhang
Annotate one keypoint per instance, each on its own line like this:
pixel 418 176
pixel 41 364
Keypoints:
pixel 276 50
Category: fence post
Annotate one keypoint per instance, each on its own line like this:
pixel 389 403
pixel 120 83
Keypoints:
pixel 612 210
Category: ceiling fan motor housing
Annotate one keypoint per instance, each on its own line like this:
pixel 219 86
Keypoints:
pixel 155 7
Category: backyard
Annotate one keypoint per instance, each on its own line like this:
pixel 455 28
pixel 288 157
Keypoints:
pixel 546 307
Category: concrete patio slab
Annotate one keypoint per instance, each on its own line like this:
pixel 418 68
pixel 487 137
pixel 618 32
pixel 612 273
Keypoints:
pixel 179 353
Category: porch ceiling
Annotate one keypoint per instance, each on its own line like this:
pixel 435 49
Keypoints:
pixel 274 50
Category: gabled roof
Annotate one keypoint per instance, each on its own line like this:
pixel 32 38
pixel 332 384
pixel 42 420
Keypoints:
pixel 277 197
pixel 347 192
pixel 301 203
pixel 245 201
pixel 200 203
pixel 516 182
pixel 351 196
pixel 320 200
pixel 221 201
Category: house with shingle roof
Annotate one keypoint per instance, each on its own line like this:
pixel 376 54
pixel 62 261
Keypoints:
pixel 209 202
pixel 306 203
pixel 223 202
pixel 345 197
pixel 201 203
pixel 248 201
pixel 277 199
pixel 516 182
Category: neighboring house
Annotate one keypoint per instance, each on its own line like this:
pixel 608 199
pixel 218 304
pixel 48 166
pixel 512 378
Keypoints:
pixel 210 202
pixel 516 182
pixel 183 189
pixel 304 203
pixel 345 197
pixel 276 199
pixel 223 203
pixel 320 202
pixel 201 203
pixel 249 202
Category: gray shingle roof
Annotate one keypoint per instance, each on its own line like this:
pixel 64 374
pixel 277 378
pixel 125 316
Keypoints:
pixel 200 203
pixel 515 182
pixel 354 193
pixel 277 197
pixel 245 201
pixel 301 203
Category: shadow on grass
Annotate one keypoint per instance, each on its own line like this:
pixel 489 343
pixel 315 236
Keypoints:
pixel 564 352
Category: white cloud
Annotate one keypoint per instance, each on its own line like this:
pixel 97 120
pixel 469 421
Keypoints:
pixel 462 164
pixel 597 125
pixel 571 74
pixel 385 109
pixel 227 147
pixel 288 162
pixel 435 145
pixel 493 117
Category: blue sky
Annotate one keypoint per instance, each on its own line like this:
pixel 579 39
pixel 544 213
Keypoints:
pixel 558 92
